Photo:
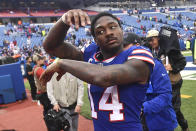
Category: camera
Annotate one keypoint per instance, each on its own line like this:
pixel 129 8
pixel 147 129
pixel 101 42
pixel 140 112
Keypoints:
pixel 169 39
pixel 57 121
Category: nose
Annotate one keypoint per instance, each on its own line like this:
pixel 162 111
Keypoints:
pixel 109 32
pixel 150 42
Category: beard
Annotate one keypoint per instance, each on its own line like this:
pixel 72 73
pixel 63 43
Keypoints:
pixel 112 50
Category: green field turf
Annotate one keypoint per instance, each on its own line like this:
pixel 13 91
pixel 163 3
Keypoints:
pixel 27 86
pixel 86 110
pixel 189 104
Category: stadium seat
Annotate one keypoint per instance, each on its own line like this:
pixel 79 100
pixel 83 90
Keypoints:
pixel 7 94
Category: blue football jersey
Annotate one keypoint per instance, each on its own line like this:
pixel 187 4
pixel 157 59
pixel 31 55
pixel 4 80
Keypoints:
pixel 117 108
pixel 90 50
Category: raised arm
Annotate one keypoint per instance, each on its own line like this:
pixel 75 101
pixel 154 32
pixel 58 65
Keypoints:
pixel 54 42
pixel 130 72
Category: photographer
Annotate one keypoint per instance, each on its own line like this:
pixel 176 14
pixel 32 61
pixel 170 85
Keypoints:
pixel 176 63
pixel 66 93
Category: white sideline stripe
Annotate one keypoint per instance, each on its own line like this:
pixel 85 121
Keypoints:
pixel 190 64
pixel 188 74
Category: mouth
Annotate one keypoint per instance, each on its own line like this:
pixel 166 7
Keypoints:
pixel 112 41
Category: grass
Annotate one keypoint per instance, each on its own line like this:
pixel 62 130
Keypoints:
pixel 27 86
pixel 188 104
pixel 86 110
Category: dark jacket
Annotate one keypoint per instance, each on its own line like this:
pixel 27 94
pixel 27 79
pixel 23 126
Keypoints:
pixel 178 63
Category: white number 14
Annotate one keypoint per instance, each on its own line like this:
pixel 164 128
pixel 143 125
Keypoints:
pixel 113 105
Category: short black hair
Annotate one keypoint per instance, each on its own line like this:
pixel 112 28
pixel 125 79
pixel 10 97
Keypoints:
pixel 131 38
pixel 99 16
pixel 27 58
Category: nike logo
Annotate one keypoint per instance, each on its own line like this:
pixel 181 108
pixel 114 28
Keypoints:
pixel 163 74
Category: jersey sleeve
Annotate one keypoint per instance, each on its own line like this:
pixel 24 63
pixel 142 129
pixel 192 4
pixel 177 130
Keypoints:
pixel 142 54
pixel 89 51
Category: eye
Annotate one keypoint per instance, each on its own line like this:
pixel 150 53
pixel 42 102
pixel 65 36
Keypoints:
pixel 100 32
pixel 113 27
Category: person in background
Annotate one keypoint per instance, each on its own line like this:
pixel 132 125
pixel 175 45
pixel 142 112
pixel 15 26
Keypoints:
pixel 30 78
pixel 177 63
pixel 42 96
pixel 188 44
pixel 67 93
pixel 193 48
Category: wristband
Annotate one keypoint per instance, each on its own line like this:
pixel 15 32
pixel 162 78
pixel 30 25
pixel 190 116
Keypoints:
pixel 56 60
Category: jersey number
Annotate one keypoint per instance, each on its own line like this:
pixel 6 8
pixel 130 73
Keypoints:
pixel 109 102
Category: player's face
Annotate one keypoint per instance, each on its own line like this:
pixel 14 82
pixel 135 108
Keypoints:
pixel 108 33
pixel 154 42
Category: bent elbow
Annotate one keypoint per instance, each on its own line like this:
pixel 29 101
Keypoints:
pixel 47 47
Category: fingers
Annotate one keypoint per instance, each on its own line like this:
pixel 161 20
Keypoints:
pixel 76 20
pixel 82 19
pixel 77 109
pixel 68 18
pixel 56 108
pixel 49 72
pixel 76 17
pixel 88 21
